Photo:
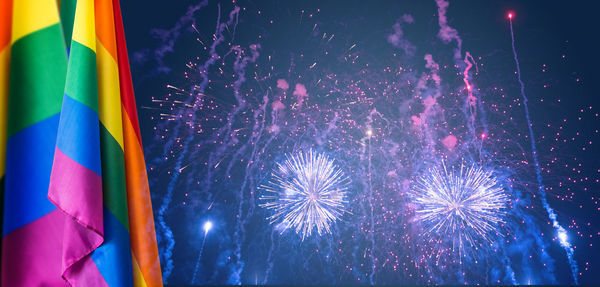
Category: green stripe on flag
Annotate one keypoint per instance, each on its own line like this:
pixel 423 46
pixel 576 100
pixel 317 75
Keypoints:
pixel 82 76
pixel 37 78
pixel 67 18
pixel 113 176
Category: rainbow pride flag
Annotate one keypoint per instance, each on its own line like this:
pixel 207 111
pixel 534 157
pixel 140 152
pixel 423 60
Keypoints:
pixel 5 24
pixel 77 207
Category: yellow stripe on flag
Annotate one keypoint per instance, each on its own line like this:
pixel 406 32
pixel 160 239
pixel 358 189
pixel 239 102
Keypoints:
pixel 109 95
pixel 84 31
pixel 32 15
pixel 138 277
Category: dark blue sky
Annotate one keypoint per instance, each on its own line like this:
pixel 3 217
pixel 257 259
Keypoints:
pixel 557 47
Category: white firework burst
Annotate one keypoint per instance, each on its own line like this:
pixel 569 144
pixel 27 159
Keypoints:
pixel 306 191
pixel 464 204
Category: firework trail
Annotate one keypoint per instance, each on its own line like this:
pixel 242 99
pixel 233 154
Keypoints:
pixel 198 261
pixel 561 232
pixel 170 36
pixel 385 117
pixel 529 229
pixel 308 192
pixel 178 168
pixel 207 227
pixel 448 34
pixel 269 261
pixel 239 68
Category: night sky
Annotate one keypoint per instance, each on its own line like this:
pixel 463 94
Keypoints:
pixel 228 91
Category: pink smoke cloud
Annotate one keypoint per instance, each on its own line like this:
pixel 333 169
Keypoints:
pixel 449 142
pixel 405 185
pixel 428 102
pixel 416 121
pixel 434 67
pixel 278 105
pixel 274 129
pixel 300 93
pixel 283 84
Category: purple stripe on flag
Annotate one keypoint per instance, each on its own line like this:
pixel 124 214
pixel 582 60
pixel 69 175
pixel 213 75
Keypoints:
pixel 77 192
pixel 31 254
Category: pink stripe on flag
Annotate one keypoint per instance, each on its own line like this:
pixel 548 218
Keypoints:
pixel 31 254
pixel 77 192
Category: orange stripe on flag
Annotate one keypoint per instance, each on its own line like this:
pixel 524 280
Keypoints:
pixel 141 222
pixel 105 29
pixel 140 208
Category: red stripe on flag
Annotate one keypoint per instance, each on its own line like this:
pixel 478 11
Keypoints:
pixel 127 95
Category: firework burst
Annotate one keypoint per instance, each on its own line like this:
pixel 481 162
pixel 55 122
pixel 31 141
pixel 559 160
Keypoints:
pixel 306 191
pixel 465 204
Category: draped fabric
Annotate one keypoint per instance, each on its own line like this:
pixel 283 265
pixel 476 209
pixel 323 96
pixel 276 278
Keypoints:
pixel 77 207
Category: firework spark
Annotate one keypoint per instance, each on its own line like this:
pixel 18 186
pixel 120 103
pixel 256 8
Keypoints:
pixel 466 204
pixel 308 190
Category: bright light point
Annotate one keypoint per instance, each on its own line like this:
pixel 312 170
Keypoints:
pixel 369 132
pixel 207 226
pixel 469 87
pixel 483 135
pixel 510 15
pixel 562 236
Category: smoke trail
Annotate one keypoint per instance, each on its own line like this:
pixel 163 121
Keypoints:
pixel 370 186
pixel 170 36
pixel 239 235
pixel 397 38
pixel 269 260
pixel 447 33
pixel 168 234
pixel 562 233
pixel 168 39
pixel 529 230
pixel 199 257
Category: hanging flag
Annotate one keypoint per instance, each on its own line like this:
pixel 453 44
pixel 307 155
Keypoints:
pixel 84 183
pixel 5 26
pixel 117 266
pixel 32 226
pixel 77 204
pixel 98 245
pixel 146 269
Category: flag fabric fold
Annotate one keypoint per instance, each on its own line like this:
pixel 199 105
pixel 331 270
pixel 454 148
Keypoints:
pixel 143 236
pixel 77 207
pixel 76 179
pixel 5 29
